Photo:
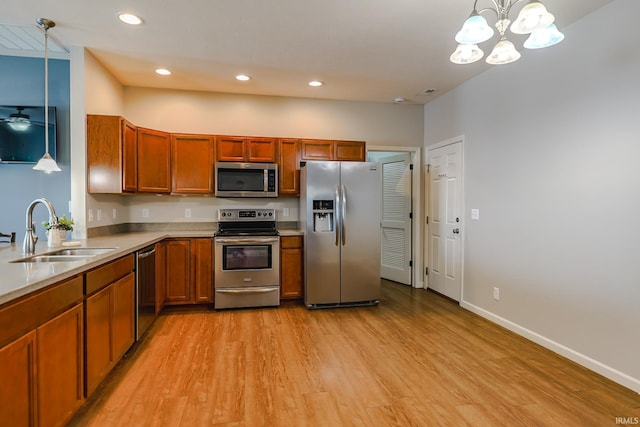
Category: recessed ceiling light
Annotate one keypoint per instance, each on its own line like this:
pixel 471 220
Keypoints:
pixel 163 71
pixel 129 18
pixel 243 77
pixel 315 83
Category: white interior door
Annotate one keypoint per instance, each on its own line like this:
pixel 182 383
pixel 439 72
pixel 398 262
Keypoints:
pixel 396 259
pixel 445 220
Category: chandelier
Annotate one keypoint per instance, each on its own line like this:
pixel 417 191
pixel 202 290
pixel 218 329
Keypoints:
pixel 533 19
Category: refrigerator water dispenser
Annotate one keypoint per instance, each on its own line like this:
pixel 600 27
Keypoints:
pixel 322 216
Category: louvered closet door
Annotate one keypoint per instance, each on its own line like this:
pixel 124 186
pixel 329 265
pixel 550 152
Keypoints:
pixel 396 219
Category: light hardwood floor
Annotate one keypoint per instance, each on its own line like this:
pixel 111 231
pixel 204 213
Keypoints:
pixel 417 359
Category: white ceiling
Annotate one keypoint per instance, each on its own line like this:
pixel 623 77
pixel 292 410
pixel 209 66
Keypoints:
pixel 364 50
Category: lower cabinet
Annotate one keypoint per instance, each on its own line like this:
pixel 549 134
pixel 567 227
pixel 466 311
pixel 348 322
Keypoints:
pixel 188 271
pixel 110 318
pixel 60 367
pixel 291 267
pixel 42 379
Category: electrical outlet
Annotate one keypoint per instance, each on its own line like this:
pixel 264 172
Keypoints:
pixel 496 293
pixel 114 213
pixel 475 214
pixel 99 214
pixel 285 212
pixel 187 213
pixel 90 215
pixel 145 213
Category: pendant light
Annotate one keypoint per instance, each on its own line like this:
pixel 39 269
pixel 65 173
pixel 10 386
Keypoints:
pixel 46 164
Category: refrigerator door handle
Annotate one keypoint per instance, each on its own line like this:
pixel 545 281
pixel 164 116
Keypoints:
pixel 336 221
pixel 344 215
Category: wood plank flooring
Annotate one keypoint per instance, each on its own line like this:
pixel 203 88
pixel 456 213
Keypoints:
pixel 417 359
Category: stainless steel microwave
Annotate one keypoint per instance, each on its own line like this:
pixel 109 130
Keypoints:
pixel 246 179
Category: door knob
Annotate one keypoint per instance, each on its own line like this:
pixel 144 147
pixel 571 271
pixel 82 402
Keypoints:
pixel 456 231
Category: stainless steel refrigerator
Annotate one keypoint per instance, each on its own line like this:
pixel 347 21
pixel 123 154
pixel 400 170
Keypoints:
pixel 340 205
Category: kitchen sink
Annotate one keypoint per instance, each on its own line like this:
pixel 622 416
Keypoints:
pixel 54 258
pixel 66 255
pixel 79 251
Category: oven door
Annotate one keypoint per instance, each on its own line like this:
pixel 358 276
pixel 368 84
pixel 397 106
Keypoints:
pixel 247 271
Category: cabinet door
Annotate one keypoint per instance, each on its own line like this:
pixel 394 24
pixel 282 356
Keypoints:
pixel 18 390
pixel 289 167
pixel 315 149
pixel 99 323
pixel 178 272
pixel 230 149
pixel 60 367
pixel 203 269
pixel 123 316
pixel 192 164
pixel 350 151
pixel 291 267
pixel 261 150
pixel 129 156
pixel 154 161
pixel 104 157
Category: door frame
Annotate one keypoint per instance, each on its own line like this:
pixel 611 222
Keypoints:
pixel 427 179
pixel 418 215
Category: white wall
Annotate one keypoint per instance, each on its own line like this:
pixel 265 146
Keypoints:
pixel 551 161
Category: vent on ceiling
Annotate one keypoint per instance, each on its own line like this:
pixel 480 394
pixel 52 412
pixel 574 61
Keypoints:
pixel 26 38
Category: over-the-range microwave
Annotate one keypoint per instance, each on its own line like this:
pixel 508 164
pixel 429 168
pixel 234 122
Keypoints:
pixel 246 179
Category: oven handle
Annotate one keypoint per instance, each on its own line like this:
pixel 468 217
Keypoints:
pixel 250 290
pixel 246 239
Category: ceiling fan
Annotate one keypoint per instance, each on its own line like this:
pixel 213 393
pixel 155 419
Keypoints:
pixel 17 120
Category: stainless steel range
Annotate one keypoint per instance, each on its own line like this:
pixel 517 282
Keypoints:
pixel 247 259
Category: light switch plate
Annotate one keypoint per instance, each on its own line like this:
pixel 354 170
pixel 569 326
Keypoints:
pixel 475 214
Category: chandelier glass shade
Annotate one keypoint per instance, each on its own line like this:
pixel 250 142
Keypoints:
pixel 533 19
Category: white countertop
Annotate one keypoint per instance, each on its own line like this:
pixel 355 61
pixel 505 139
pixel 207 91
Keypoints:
pixel 21 278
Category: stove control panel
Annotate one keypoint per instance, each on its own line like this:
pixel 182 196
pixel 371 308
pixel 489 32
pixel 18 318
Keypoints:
pixel 233 215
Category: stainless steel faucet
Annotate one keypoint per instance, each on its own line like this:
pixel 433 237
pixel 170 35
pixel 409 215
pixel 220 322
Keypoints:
pixel 30 239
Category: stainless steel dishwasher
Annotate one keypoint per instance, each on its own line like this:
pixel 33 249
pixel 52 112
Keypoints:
pixel 145 289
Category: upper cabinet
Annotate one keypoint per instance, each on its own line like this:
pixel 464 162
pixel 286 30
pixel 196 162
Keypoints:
pixel 123 158
pixel 245 149
pixel 192 164
pixel 111 155
pixel 154 161
pixel 318 149
pixel 289 167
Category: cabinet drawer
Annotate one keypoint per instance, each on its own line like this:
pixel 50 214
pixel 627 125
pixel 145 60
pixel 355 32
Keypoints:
pixel 109 273
pixel 290 242
pixel 21 317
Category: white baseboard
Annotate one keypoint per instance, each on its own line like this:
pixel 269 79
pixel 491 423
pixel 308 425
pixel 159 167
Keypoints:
pixel 587 362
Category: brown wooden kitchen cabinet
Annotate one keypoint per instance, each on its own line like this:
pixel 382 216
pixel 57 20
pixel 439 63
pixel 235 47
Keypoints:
pixel 245 149
pixel 317 149
pixel 289 167
pixel 291 267
pixel 189 271
pixel 112 157
pixel 110 318
pixel 60 373
pixel 192 164
pixel 154 161
pixel 42 380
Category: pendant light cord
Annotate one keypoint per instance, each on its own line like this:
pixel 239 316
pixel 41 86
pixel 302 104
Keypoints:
pixel 46 90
